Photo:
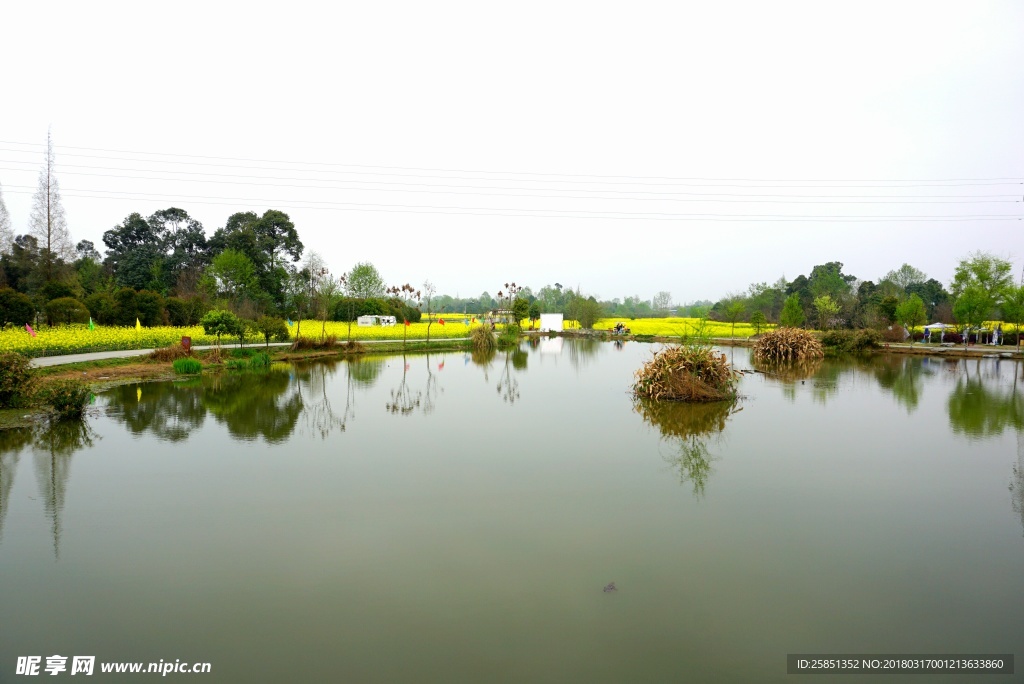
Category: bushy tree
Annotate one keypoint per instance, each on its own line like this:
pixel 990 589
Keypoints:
pixel 826 308
pixel 272 327
pixel 220 322
pixel 65 311
pixel 792 315
pixel 971 307
pixel 15 307
pixel 102 307
pixel 911 313
pixel 364 282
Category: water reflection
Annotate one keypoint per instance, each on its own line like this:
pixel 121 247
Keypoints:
pixel 254 405
pixel 979 409
pixel 582 352
pixel 508 384
pixel 315 402
pixel 170 410
pixel 1017 483
pixel 903 376
pixel 12 442
pixel 688 427
pixel 404 400
pixel 52 444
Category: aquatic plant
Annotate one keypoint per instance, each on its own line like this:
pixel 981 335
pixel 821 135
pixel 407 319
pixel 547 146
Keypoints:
pixel 686 373
pixel 186 366
pixel 785 344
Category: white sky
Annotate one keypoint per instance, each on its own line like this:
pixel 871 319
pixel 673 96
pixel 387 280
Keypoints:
pixel 613 101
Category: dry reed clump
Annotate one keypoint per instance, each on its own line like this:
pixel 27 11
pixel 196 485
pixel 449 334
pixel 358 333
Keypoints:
pixel 171 353
pixel 787 344
pixel 483 339
pixel 329 342
pixel 353 347
pixel 689 373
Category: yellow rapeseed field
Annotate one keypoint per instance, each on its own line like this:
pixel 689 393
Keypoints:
pixel 77 339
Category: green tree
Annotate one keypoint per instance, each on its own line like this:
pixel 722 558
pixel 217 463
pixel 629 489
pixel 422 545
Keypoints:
pixel 589 311
pixel 757 320
pixel 219 322
pixel 911 314
pixel 520 309
pixel 364 282
pixel 1013 309
pixel 272 327
pixel 971 307
pixel 905 276
pixel 792 315
pixel 826 308
pixel 733 312
pixel 15 307
pixel 231 274
pixel 66 310
pixel 989 273
pixel 534 311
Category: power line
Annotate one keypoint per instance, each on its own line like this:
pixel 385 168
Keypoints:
pixel 651 196
pixel 916 182
pixel 559 213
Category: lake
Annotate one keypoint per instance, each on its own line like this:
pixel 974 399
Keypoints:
pixel 449 517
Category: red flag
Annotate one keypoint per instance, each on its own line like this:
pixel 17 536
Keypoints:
pixel 407 322
pixel 474 319
pixel 440 321
pixel 30 330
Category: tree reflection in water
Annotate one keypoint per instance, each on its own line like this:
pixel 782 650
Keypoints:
pixel 52 443
pixel 977 409
pixel 316 406
pixel 403 399
pixel 903 377
pixel 508 384
pixel 582 352
pixel 1017 484
pixel 254 405
pixel 688 426
pixel 170 410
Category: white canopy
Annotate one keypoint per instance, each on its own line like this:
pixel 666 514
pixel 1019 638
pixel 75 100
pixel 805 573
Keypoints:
pixel 940 326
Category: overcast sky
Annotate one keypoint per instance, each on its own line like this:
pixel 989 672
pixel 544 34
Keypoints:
pixel 624 148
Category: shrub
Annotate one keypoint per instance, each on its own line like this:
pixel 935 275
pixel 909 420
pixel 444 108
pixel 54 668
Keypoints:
pixel 784 344
pixel 15 307
pixel 893 334
pixel 67 397
pixel 187 366
pixel 103 308
pixel 850 340
pixel 242 353
pixel 66 310
pixel 235 364
pixel 686 373
pixel 17 383
pixel 220 323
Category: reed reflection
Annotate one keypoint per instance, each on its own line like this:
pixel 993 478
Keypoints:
pixel 688 427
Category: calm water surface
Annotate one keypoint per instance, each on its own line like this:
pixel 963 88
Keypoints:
pixel 446 518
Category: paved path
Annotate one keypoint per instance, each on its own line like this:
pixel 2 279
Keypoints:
pixel 128 353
